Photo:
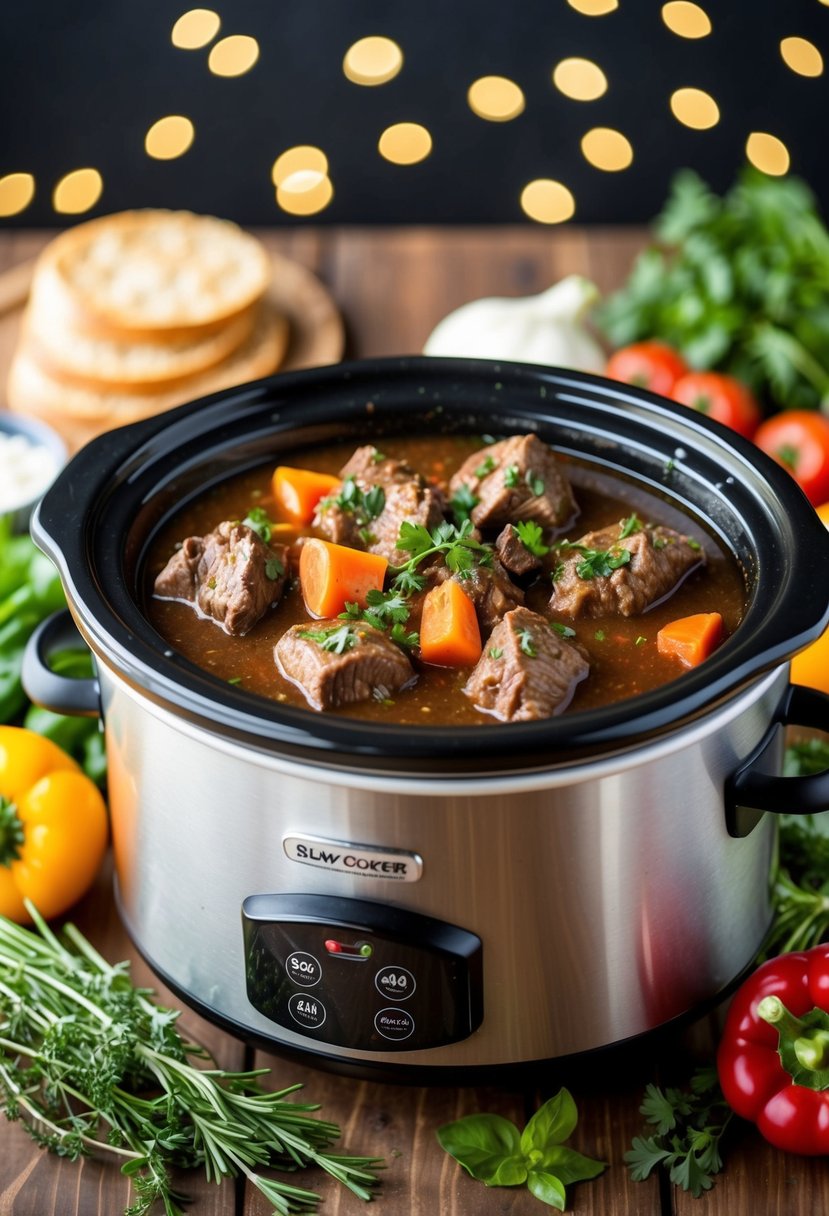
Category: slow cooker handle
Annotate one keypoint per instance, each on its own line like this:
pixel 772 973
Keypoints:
pixel 753 789
pixel 61 694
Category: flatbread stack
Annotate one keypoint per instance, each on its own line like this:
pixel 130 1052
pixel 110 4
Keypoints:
pixel 137 312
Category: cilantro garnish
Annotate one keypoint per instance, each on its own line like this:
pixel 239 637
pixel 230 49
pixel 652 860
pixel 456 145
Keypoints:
pixel 364 505
pixel 486 466
pixel 462 503
pixel 461 551
pixel 530 534
pixel 495 652
pixel 628 526
pixel 525 642
pixel 601 562
pixel 385 610
pixel 563 630
pixel 534 483
pixel 274 568
pixel 511 476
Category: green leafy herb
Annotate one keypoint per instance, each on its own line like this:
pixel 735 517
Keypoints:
pixel 89 1063
pixel 640 641
pixel 486 466
pixel 736 283
pixel 600 635
pixel 460 550
pixel 274 568
pixel 402 637
pixel 364 505
pixel 511 476
pixel 689 1127
pixel 377 457
pixel 462 503
pixel 258 520
pixel 234 679
pixel 595 562
pixel 525 643
pixel 534 483
pixel 495 652
pixel 386 611
pixel 563 630
pixel 492 1150
pixel 338 641
pixel 557 571
pixel 628 526
pixel 530 534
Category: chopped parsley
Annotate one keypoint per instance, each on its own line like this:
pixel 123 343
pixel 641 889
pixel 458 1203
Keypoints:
pixel 385 610
pixel 234 680
pixel 364 505
pixel 534 483
pixel 274 568
pixel 600 635
pixel 258 520
pixel 693 544
pixel 337 641
pixel 596 562
pixel 377 457
pixel 557 571
pixel 530 534
pixel 495 652
pixel 511 476
pixel 486 466
pixel 562 630
pixel 640 641
pixel 462 503
pixel 628 526
pixel 526 643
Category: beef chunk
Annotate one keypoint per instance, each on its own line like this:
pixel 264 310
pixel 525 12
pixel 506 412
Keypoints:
pixel 514 554
pixel 335 663
pixel 518 478
pixel 659 559
pixel 230 575
pixel 527 670
pixel 375 499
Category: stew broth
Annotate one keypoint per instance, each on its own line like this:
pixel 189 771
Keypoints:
pixel 624 660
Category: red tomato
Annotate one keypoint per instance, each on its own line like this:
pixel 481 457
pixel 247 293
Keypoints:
pixel 652 365
pixel 722 398
pixel 799 440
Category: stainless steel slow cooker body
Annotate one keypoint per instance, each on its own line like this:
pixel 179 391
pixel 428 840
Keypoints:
pixel 399 900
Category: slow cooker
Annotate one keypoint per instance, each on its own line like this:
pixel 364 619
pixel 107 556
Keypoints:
pixel 418 901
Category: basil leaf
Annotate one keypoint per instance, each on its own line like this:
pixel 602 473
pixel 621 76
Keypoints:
pixel 481 1144
pixel 511 1172
pixel 570 1166
pixel 547 1188
pixel 551 1124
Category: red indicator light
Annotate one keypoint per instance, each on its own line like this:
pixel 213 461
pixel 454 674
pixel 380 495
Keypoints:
pixel 358 950
pixel 333 947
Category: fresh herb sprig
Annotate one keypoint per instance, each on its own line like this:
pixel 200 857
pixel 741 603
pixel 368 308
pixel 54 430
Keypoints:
pixel 531 536
pixel 337 641
pixel 258 520
pixel 89 1063
pixel 387 611
pixel 363 505
pixel 492 1150
pixel 736 283
pixel 460 550
pixel 690 1124
pixel 594 562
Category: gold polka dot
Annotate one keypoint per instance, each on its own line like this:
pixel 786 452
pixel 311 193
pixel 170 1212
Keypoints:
pixel 405 143
pixel 580 79
pixel 547 201
pixel 233 56
pixel 169 137
pixel 16 192
pixel 768 153
pixel 607 149
pixel 304 158
pixel 315 197
pixel 495 98
pixel 686 19
pixel 373 60
pixel 695 108
pixel 596 8
pixel 77 191
pixel 195 29
pixel 802 56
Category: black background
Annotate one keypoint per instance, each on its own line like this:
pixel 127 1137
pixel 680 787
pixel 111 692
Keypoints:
pixel 80 84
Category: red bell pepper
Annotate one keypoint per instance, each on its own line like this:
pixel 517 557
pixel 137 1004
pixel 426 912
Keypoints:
pixel 773 1059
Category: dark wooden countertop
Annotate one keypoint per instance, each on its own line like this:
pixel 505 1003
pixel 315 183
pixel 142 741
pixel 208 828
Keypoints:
pixel 392 286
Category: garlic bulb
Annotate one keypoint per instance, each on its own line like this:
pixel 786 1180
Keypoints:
pixel 547 328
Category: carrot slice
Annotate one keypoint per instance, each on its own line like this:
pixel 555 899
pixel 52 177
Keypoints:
pixel 449 633
pixel 691 639
pixel 299 490
pixel 331 574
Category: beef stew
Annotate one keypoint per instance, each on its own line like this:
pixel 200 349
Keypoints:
pixel 601 563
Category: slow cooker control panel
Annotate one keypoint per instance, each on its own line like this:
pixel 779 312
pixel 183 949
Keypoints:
pixel 362 975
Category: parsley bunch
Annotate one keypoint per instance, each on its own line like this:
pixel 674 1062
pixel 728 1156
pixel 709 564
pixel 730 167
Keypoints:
pixel 690 1124
pixel 738 283
pixel 89 1063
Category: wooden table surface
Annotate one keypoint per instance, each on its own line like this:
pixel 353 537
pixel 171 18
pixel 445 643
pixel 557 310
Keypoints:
pixel 392 286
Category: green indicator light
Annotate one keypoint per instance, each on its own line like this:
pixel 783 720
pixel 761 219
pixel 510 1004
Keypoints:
pixel 366 950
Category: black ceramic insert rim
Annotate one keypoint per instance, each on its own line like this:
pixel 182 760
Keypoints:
pixel 96 520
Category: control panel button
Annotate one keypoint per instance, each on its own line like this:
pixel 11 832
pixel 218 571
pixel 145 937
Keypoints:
pixel 303 969
pixel 396 983
pixel 394 1023
pixel 307 1011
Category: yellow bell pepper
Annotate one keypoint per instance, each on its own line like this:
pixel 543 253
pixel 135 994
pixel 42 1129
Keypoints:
pixel 53 826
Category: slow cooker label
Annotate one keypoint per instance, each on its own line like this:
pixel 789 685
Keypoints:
pixel 393 865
